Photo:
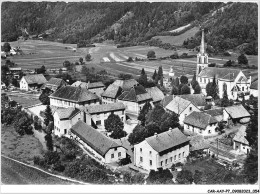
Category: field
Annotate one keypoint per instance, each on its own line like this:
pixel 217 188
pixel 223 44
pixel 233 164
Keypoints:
pixel 25 100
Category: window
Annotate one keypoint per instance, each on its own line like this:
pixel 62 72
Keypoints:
pixel 179 156
pixel 122 118
pixel 161 163
pixel 115 149
pixel 200 79
pixel 65 131
pixel 242 88
pixel 190 108
pixel 243 147
pixel 141 150
pixel 171 159
pixel 151 162
pixel 112 155
pixel 98 122
pixel 119 154
pixel 209 131
pixel 141 159
pixel 183 154
pixel 166 161
pixel 204 80
pixel 175 158
pixel 150 152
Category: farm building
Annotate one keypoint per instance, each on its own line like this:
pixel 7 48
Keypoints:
pixel 34 81
pixel 156 94
pixel 199 100
pixel 198 145
pixel 54 83
pixel 161 150
pixel 94 87
pixel 217 113
pixel 235 114
pixel 102 147
pixel 240 142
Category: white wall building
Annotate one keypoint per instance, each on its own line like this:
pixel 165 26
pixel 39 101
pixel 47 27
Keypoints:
pixel 34 81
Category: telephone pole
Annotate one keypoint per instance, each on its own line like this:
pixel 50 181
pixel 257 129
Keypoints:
pixel 217 147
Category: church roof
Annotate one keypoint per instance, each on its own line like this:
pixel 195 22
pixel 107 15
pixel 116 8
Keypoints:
pixel 220 73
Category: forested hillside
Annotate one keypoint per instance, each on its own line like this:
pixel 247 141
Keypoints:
pixel 132 22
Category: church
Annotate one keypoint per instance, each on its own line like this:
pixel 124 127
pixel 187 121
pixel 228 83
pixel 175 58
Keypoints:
pixel 233 81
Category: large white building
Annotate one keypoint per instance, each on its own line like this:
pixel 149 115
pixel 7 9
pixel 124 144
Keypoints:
pixel 233 81
pixel 161 150
pixel 34 81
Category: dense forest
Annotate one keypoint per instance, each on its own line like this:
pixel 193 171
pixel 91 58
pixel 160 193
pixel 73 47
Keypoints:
pixel 97 21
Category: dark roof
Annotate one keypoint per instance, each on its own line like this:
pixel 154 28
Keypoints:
pixel 166 100
pixel 136 94
pixel 155 93
pixel 198 143
pixel 237 111
pixel 35 79
pixel 67 113
pixel 220 73
pixel 75 94
pixel 254 85
pixel 105 107
pixel 166 140
pixel 112 91
pixel 88 85
pixel 214 112
pixel 126 85
pixel 199 119
pixel 54 83
pixel 96 140
pixel 196 99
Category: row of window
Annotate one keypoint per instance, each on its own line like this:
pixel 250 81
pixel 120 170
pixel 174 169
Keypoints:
pixel 113 155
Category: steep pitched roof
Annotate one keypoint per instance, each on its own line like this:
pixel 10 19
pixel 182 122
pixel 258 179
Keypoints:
pixel 237 111
pixel 96 140
pixel 254 85
pixel 240 135
pixel 105 108
pixel 136 94
pixel 112 91
pixel 88 85
pixel 166 100
pixel 198 143
pixel 126 85
pixel 54 83
pixel 155 93
pixel 199 119
pixel 220 73
pixel 196 99
pixel 178 105
pixel 166 140
pixel 66 113
pixel 35 79
pixel 75 94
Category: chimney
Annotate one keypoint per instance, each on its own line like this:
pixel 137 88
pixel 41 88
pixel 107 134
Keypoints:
pixel 170 129
pixel 156 134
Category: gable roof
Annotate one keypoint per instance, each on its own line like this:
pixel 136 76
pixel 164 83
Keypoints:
pixel 199 119
pixel 214 112
pixel 88 85
pixel 75 94
pixel 237 111
pixel 126 85
pixel 136 94
pixel 166 140
pixel 105 107
pixel 67 113
pixel 54 83
pixel 220 73
pixel 112 91
pixel 96 140
pixel 155 93
pixel 240 135
pixel 198 143
pixel 35 79
pixel 166 100
pixel 196 99
pixel 178 105
pixel 254 85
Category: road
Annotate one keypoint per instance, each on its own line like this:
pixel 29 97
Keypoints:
pixel 14 173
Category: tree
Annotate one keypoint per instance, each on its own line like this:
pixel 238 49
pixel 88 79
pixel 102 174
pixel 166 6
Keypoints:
pixel 198 177
pixel 185 177
pixel 143 78
pixel 160 72
pixel 114 124
pixel 49 142
pixel 251 167
pixel 44 97
pixel 51 157
pixel 160 177
pixel 48 117
pixel 130 59
pixel 151 55
pixel 125 76
pixel 23 124
pixel 155 115
pixel 228 63
pixel 194 82
pixel 142 115
pixel 184 79
pixel 242 59
pixel 154 74
pixel 6 47
pixel 138 135
pixel 161 81
pixel 212 89
pixel 185 89
pixel 66 64
pixel 174 90
pixel 169 120
pixel 252 128
pixel 88 57
pixel 197 89
pixel 81 60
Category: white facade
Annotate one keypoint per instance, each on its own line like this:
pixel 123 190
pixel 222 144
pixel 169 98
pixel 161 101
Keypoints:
pixel 106 100
pixel 67 103
pixel 147 158
pixel 24 84
pixel 210 129
pixel 254 92
pixel 241 147
pixel 132 107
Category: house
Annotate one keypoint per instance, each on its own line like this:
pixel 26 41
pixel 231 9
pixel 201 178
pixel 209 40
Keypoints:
pixel 233 81
pixel 156 94
pixel 115 89
pixel 254 88
pixel 216 113
pixel 69 96
pixel 200 123
pixel 161 150
pixel 236 113
pixel 166 100
pixel 240 142
pixel 3 86
pixel 198 145
pixel 54 83
pixel 199 100
pixel 102 147
pixel 99 113
pixel 181 107
pixel 64 119
pixel 34 81
pixel 15 71
pixel 134 99
pixel 94 87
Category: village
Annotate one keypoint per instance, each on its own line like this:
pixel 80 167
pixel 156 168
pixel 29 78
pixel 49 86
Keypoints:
pixel 177 128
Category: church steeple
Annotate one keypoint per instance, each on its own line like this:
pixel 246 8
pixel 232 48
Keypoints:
pixel 202 45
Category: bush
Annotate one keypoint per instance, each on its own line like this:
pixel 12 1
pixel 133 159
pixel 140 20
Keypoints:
pixel 51 157
pixel 59 167
pixel 124 161
pixel 39 161
pixel 226 53
pixel 130 59
pixel 151 55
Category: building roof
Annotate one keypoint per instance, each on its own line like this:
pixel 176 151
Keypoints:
pixel 237 111
pixel 166 100
pixel 198 143
pixel 105 108
pixel 196 99
pixel 54 83
pixel 178 105
pixel 254 85
pixel 136 94
pixel 35 79
pixel 67 113
pixel 199 119
pixel 220 73
pixel 214 112
pixel 126 85
pixel 15 68
pixel 155 93
pixel 112 91
pixel 166 140
pixel 75 94
pixel 88 85
pixel 96 140
pixel 240 135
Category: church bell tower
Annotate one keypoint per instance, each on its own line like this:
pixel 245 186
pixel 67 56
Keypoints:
pixel 202 56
